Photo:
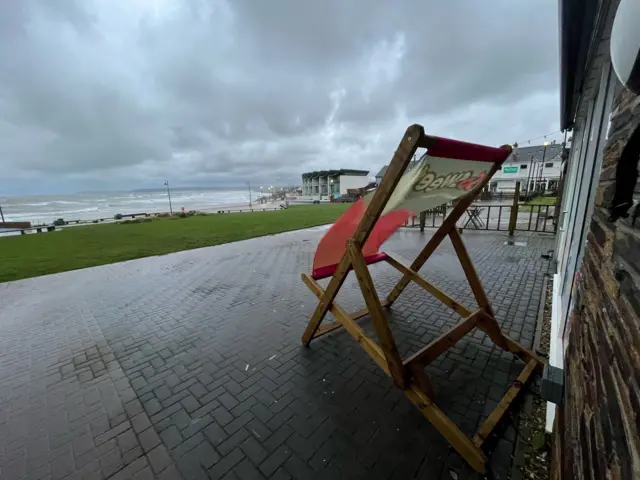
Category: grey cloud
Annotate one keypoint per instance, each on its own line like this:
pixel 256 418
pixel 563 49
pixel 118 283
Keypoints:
pixel 213 91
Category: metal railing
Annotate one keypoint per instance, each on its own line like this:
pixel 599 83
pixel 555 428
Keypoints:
pixel 529 218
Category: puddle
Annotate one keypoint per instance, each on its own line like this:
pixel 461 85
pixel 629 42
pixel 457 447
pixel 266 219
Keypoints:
pixel 517 244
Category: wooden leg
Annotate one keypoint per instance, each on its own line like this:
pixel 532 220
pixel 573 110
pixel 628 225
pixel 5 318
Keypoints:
pixel 458 440
pixel 495 416
pixel 469 269
pixel 325 301
pixel 385 337
pixel 489 324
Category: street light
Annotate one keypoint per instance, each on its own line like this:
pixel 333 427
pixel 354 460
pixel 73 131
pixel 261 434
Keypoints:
pixel 544 153
pixel 169 194
pixel 1 214
pixel 249 183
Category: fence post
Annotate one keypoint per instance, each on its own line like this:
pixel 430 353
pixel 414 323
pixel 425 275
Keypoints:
pixel 513 218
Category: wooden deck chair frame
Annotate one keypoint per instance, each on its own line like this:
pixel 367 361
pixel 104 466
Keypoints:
pixel 409 374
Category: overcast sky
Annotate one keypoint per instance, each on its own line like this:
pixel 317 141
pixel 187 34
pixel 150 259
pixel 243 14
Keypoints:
pixel 109 94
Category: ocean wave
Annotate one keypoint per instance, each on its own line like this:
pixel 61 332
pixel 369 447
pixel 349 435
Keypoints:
pixel 51 202
pixel 104 205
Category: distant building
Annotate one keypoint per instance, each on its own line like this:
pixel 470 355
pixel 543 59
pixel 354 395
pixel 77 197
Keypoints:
pixel 538 165
pixel 323 183
pixel 383 170
pixel 380 174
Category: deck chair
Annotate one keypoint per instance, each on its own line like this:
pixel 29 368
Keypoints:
pixel 409 374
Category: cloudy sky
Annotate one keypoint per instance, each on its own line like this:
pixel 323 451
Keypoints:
pixel 119 94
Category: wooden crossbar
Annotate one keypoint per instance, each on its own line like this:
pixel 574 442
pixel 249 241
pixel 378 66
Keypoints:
pixel 444 342
pixel 409 375
pixel 330 327
pixel 432 289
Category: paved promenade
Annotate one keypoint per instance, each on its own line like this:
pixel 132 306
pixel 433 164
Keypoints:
pixel 190 366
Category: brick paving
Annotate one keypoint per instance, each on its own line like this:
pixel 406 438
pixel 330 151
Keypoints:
pixel 190 366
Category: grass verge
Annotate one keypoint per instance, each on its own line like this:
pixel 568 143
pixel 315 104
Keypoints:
pixel 79 247
pixel 532 205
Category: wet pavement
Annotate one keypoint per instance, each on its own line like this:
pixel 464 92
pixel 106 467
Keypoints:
pixel 189 365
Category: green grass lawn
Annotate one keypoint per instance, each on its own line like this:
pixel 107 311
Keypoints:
pixel 79 247
pixel 533 204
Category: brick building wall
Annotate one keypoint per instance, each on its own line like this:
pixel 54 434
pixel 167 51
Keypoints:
pixel 597 431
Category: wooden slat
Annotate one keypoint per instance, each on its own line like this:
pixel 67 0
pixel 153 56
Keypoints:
pixel 385 337
pixel 458 440
pixel 495 416
pixel 401 158
pixel 369 346
pixel 432 289
pixel 523 353
pixel 327 328
pixel 330 327
pixel 444 342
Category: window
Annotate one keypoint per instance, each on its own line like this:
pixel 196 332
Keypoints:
pixel 523 167
pixel 548 165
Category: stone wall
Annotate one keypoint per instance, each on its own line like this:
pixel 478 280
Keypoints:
pixel 598 426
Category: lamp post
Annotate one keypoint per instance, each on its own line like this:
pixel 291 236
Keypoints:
pixel 1 214
pixel 529 176
pixel 169 194
pixel 544 153
pixel 249 183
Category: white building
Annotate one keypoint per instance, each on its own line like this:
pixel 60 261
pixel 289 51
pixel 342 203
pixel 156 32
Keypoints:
pixel 539 165
pixel 322 184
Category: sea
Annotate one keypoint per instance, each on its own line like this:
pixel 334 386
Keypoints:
pixel 44 209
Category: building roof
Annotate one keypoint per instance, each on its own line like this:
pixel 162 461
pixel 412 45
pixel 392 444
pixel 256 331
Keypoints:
pixel 577 28
pixel 334 173
pixel 410 167
pixel 535 153
pixel 382 171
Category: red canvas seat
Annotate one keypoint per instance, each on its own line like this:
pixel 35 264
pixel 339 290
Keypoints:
pixel 329 270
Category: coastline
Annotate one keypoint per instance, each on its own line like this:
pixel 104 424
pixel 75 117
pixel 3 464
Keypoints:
pixel 209 210
pixel 83 207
